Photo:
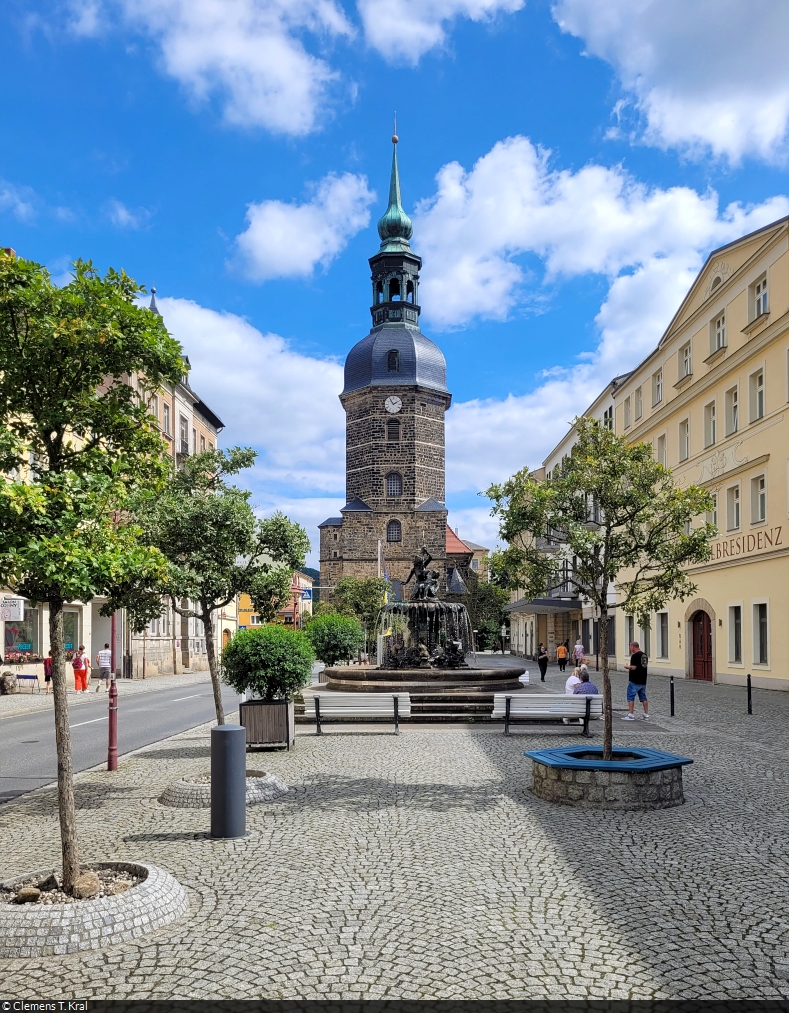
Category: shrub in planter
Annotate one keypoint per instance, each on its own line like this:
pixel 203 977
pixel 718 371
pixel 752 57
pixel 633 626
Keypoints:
pixel 272 661
pixel 334 637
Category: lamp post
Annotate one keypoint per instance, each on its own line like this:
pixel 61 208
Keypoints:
pixel 112 738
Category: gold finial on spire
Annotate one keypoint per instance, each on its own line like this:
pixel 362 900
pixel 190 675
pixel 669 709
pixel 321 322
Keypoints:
pixel 395 138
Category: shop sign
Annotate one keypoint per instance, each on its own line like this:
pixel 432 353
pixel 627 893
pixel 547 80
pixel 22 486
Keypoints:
pixel 744 545
pixel 12 610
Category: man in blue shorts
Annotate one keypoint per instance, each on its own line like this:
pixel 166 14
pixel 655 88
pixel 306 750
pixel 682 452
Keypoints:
pixel 637 686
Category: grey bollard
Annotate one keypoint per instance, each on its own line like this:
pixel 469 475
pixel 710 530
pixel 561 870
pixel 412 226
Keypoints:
pixel 228 781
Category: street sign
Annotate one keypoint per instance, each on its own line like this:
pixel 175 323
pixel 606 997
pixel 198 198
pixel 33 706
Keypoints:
pixel 306 595
pixel 12 609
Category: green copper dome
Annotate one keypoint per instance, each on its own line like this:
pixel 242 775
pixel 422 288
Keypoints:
pixel 394 227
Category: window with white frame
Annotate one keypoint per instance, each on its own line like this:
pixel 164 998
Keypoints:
pixel 684 439
pixel 735 634
pixel 732 410
pixel 166 418
pixel 638 404
pixel 733 508
pixel 608 418
pixel 710 424
pixel 712 515
pixel 661 450
pixel 662 634
pixel 761 634
pixel 758 499
pixel 685 361
pixel 756 385
pixel 657 387
pixel 630 630
pixel 718 333
pixel 759 304
pixel 646 640
pixel 627 413
pixel 255 621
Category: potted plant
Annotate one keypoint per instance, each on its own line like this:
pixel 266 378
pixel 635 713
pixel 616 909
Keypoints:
pixel 268 664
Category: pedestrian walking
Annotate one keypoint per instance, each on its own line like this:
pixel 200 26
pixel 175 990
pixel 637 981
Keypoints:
pixel 637 686
pixel 578 651
pixel 81 665
pixel 542 661
pixel 48 671
pixel 562 652
pixel 104 662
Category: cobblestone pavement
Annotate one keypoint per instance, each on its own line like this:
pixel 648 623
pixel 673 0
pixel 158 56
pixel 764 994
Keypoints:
pixel 26 702
pixel 420 866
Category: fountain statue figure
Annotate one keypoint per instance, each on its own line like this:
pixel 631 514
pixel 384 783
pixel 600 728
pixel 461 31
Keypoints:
pixel 424 632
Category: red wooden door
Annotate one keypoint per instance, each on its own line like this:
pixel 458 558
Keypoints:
pixel 702 647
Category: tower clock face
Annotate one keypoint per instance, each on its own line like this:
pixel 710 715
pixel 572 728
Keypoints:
pixel 393 405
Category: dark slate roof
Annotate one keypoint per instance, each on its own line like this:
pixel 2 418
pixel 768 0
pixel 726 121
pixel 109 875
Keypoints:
pixel 432 504
pixel 421 361
pixel 456 584
pixel 331 522
pixel 355 506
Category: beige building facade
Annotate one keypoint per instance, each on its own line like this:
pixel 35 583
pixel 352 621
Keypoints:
pixel 713 400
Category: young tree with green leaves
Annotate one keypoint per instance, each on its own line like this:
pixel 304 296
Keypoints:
pixel 78 451
pixel 617 513
pixel 361 597
pixel 334 637
pixel 216 548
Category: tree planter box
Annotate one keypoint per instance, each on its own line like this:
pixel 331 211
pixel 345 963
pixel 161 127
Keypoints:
pixel 269 722
pixel 634 779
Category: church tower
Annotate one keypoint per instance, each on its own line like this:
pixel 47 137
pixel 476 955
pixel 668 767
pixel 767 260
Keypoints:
pixel 395 397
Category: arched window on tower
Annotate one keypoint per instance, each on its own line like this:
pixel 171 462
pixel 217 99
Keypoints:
pixel 379 292
pixel 392 431
pixel 409 292
pixel 393 360
pixel 394 533
pixel 394 290
pixel 394 484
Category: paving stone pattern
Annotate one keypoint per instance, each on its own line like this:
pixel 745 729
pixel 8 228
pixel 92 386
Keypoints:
pixel 189 793
pixel 421 866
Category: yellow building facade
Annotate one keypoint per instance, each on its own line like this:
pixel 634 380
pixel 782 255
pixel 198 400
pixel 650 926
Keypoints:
pixel 713 400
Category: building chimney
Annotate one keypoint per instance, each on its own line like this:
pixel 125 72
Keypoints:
pixel 9 252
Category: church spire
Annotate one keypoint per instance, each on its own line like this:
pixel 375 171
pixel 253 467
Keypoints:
pixel 395 227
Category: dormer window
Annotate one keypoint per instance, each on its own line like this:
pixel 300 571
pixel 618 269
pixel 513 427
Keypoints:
pixel 393 360
pixel 715 282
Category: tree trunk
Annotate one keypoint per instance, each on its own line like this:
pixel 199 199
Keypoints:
pixel 213 666
pixel 68 816
pixel 608 718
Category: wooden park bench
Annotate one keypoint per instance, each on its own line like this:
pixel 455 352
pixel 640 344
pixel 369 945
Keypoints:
pixel 331 707
pixel 525 707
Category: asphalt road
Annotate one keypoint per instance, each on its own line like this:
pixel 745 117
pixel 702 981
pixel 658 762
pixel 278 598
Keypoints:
pixel 27 742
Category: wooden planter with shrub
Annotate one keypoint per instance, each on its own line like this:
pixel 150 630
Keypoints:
pixel 269 722
pixel 268 664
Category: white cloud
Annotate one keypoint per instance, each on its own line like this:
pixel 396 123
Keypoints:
pixel 404 30
pixel 707 76
pixel 250 52
pixel 289 240
pixel 648 242
pixel 269 396
pixel 596 220
pixel 123 217
pixel 17 201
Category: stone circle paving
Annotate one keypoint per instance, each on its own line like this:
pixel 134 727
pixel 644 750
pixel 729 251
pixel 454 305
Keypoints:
pixel 421 866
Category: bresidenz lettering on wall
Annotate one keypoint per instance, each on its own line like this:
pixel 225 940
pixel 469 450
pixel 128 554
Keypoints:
pixel 744 545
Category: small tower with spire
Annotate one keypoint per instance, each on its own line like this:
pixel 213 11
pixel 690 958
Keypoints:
pixel 395 268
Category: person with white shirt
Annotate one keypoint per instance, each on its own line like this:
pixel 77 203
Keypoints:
pixel 573 681
pixel 104 662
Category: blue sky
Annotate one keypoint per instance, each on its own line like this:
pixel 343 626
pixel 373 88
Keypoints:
pixel 568 167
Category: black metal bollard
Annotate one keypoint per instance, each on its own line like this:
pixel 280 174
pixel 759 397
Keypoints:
pixel 671 691
pixel 228 781
pixel 750 708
